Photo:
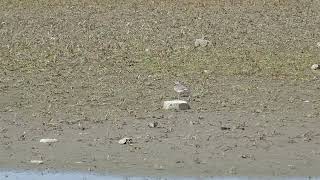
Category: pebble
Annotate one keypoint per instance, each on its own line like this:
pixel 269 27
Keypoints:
pixel 232 170
pixel 153 124
pixel 48 140
pixel 79 162
pixel 292 166
pixel 315 67
pixel 201 43
pixel 197 161
pixel 176 105
pixel 158 167
pixel 225 128
pixel 193 123
pixel 291 141
pixel 36 162
pixel 125 140
pixel 245 156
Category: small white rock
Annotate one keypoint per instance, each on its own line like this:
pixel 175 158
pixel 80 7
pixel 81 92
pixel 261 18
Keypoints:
pixel 153 124
pixel 48 140
pixel 176 104
pixel 232 170
pixel 201 43
pixel 79 162
pixel 315 67
pixel 36 162
pixel 318 44
pixel 125 140
pixel 292 166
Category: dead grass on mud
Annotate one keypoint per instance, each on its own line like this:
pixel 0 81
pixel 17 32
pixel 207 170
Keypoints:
pixel 251 39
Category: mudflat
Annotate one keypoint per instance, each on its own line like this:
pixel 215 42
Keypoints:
pixel 89 73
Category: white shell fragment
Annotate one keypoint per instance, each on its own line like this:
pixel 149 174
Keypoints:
pixel 36 162
pixel 176 105
pixel 315 67
pixel 153 124
pixel 125 140
pixel 48 140
pixel 201 43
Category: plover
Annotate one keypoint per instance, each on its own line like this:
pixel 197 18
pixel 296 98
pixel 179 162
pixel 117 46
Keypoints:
pixel 181 89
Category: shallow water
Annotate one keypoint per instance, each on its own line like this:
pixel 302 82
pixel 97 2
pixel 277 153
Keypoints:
pixel 31 175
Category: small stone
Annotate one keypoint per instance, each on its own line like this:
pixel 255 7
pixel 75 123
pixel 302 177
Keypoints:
pixel 36 162
pixel 48 140
pixel 224 104
pixel 291 141
pixel 153 124
pixel 201 42
pixel 309 115
pixel 3 130
pixel 257 111
pixel 224 128
pixel 79 162
pixel 232 170
pixel 315 67
pixel 176 105
pixel 158 117
pixel 246 156
pixel 158 167
pixel 292 166
pixel 197 161
pixel 125 140
pixel 307 139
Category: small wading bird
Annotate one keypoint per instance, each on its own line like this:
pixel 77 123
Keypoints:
pixel 181 89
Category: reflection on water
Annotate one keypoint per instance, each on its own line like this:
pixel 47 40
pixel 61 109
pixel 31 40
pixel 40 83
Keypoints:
pixel 29 175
